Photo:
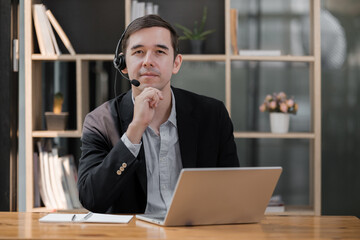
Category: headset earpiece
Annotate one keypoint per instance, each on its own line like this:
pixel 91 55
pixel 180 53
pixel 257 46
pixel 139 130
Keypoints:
pixel 119 59
pixel 119 62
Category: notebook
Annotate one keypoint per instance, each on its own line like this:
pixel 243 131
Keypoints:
pixel 85 218
pixel 206 196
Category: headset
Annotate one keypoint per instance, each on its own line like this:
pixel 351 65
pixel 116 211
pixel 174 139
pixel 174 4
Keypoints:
pixel 119 59
pixel 119 62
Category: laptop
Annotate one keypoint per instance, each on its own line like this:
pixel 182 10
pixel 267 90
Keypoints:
pixel 206 196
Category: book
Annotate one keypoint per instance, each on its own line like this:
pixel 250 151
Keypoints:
pixel 149 8
pixel 47 180
pixel 56 174
pixel 260 53
pixel 42 32
pixel 133 9
pixel 86 218
pixel 43 188
pixel 272 209
pixel 38 31
pixel 233 30
pixel 57 179
pixel 60 32
pixel 139 9
pixel 276 204
pixel 51 32
pixel 37 184
pixel 70 177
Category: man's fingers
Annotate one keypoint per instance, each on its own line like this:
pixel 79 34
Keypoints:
pixel 152 96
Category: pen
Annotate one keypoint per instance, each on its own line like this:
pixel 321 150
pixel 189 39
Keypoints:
pixel 87 216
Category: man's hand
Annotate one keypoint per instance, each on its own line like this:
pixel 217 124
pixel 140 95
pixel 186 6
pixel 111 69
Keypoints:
pixel 144 111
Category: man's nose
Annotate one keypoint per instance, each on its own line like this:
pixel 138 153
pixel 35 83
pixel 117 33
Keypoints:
pixel 148 60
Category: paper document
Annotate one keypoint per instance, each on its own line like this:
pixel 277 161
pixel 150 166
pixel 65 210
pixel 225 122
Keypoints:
pixel 87 218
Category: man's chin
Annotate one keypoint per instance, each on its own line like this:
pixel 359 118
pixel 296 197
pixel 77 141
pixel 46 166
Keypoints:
pixel 146 84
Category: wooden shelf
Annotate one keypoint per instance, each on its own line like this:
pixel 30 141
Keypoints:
pixel 52 134
pixel 68 57
pixel 46 210
pixel 274 58
pixel 294 135
pixel 33 86
pixel 191 57
pixel 110 57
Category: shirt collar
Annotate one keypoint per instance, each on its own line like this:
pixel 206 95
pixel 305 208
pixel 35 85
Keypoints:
pixel 172 117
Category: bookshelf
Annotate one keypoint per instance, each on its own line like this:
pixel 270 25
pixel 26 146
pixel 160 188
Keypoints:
pixel 34 115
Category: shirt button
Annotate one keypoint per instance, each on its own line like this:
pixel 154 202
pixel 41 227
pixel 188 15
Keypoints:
pixel 118 172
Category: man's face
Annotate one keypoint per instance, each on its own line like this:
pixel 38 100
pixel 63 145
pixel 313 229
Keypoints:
pixel 150 58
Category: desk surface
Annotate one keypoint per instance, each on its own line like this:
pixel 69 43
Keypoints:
pixel 15 225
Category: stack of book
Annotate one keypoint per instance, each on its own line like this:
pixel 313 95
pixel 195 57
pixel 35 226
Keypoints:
pixel 56 179
pixel 139 9
pixel 276 204
pixel 44 22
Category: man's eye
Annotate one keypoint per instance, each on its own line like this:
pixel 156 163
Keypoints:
pixel 138 52
pixel 161 52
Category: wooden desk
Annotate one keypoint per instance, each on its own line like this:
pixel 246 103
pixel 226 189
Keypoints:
pixel 26 226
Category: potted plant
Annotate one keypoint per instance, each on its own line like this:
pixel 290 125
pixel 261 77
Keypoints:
pixel 56 120
pixel 279 107
pixel 197 35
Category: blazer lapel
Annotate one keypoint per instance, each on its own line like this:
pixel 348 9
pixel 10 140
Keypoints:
pixel 126 110
pixel 187 129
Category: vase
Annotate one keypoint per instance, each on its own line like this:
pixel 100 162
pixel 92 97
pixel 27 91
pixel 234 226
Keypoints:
pixel 197 46
pixel 56 121
pixel 279 122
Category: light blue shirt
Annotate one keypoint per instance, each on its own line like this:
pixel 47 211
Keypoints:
pixel 163 161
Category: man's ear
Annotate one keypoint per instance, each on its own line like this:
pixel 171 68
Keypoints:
pixel 177 64
pixel 124 71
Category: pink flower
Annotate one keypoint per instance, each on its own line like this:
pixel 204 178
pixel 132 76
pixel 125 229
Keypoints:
pixel 272 105
pixel 283 107
pixel 278 102
pixel 290 103
pixel 281 95
pixel 262 107
pixel 268 98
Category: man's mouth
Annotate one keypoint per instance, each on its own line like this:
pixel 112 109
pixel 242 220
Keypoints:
pixel 149 74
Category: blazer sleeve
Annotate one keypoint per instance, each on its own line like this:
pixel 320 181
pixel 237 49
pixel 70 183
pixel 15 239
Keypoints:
pixel 227 153
pixel 100 183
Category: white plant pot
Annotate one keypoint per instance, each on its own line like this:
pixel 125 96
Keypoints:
pixel 279 122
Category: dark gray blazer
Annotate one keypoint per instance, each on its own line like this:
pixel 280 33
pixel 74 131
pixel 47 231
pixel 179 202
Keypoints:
pixel 206 140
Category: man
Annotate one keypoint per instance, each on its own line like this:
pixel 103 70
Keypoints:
pixel 134 146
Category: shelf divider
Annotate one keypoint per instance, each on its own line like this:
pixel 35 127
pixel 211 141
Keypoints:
pixel 293 135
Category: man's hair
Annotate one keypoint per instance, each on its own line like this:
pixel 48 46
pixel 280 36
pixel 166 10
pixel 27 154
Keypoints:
pixel 149 21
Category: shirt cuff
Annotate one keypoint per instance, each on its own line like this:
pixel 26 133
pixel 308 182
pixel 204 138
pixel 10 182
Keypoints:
pixel 133 148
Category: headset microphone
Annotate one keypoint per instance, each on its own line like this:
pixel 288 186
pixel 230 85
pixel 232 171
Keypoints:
pixel 135 82
pixel 119 64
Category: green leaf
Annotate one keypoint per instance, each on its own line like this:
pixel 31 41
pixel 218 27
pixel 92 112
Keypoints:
pixel 198 29
pixel 203 21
